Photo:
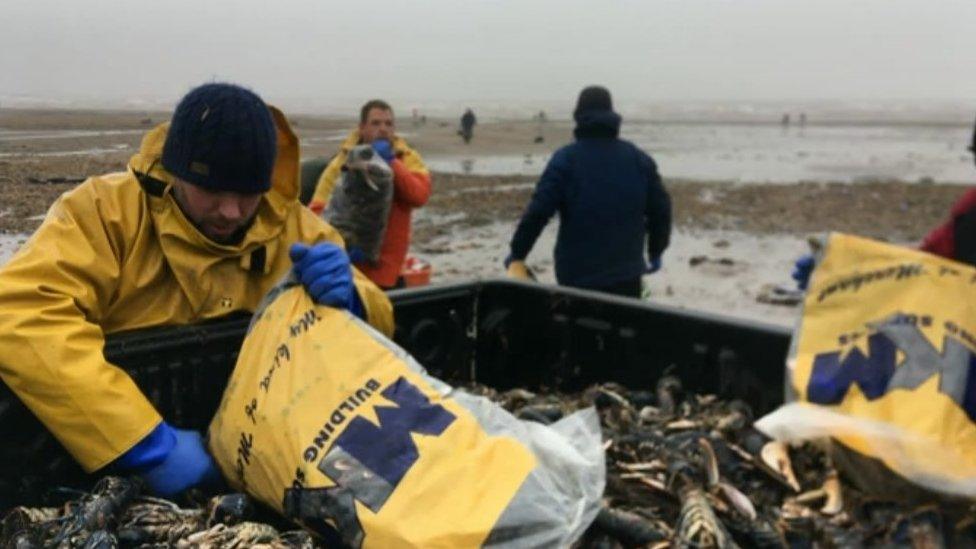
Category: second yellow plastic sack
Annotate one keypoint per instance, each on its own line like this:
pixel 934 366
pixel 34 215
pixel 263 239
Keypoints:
pixel 882 362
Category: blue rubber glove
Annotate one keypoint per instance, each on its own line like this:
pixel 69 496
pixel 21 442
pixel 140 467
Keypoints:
pixel 326 273
pixel 384 149
pixel 654 266
pixel 802 270
pixel 171 461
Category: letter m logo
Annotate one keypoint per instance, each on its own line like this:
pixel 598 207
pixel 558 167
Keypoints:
pixel 369 459
pixel 879 372
pixel 367 462
pixel 832 376
pixel 387 449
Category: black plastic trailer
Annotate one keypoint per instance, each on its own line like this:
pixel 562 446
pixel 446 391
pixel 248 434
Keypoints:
pixel 500 333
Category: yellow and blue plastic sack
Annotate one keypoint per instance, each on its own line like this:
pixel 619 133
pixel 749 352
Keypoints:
pixel 333 425
pixel 883 362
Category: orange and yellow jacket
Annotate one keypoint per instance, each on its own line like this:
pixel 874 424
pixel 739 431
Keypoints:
pixel 411 189
pixel 117 253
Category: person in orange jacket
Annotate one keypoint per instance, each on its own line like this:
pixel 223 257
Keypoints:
pixel 411 188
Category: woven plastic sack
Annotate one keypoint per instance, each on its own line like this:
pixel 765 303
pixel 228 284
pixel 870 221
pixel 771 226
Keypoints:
pixel 882 363
pixel 360 203
pixel 333 425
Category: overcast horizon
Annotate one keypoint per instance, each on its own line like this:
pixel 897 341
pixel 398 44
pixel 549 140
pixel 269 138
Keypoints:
pixel 332 55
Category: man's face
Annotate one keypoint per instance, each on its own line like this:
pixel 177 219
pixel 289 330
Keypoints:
pixel 222 216
pixel 378 125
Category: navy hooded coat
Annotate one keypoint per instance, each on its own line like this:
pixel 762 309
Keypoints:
pixel 611 204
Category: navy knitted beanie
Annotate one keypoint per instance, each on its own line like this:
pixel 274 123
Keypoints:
pixel 222 138
pixel 593 98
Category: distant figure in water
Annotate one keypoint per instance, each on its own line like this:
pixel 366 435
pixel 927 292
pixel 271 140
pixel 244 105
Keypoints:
pixel 467 125
pixel 785 122
pixel 541 119
pixel 803 120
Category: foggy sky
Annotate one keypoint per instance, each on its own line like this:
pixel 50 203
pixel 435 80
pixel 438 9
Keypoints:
pixel 503 50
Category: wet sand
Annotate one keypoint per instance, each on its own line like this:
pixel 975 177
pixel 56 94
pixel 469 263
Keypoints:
pixel 730 239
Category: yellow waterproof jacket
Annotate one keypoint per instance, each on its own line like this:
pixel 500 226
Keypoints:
pixel 117 253
pixel 327 181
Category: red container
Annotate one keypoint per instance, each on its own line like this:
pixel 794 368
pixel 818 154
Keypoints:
pixel 415 272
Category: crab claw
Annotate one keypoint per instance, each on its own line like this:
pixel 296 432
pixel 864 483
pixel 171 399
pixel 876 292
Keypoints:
pixel 776 456
pixel 835 500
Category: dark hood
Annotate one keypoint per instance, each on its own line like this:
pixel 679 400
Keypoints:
pixel 596 124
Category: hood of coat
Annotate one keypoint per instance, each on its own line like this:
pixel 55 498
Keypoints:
pixel 600 123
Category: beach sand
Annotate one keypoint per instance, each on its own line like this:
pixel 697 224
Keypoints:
pixel 729 240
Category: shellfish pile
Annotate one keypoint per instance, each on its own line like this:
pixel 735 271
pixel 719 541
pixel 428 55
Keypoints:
pixel 114 514
pixel 683 470
pixel 689 470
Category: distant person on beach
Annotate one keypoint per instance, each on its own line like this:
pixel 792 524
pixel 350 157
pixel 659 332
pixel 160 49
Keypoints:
pixel 611 202
pixel 954 239
pixel 202 224
pixel 539 133
pixel 467 125
pixel 411 188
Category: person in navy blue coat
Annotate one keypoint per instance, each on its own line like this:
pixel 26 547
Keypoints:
pixel 611 203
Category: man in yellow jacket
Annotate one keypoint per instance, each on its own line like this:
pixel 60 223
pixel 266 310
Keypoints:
pixel 204 222
pixel 411 187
